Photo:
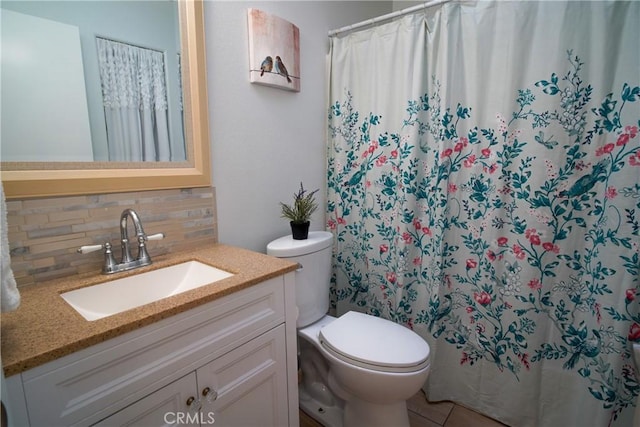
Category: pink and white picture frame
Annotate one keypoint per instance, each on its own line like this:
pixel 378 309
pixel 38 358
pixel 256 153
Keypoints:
pixel 274 51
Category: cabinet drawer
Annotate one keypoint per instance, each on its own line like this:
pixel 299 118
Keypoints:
pixel 87 386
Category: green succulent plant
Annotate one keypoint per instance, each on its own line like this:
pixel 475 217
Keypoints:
pixel 304 204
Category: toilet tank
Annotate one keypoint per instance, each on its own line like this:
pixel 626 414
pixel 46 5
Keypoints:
pixel 313 275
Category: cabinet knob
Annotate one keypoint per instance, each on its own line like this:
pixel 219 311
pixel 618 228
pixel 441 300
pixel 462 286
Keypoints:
pixel 193 404
pixel 211 395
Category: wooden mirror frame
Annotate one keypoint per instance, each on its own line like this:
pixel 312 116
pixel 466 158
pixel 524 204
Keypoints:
pixel 21 180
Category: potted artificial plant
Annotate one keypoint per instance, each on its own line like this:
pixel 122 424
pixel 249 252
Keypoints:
pixel 299 213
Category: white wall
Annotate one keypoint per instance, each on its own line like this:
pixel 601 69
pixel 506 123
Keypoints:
pixel 264 141
pixel 42 71
pixel 405 4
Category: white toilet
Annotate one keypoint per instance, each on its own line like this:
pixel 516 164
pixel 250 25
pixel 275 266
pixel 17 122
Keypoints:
pixel 357 369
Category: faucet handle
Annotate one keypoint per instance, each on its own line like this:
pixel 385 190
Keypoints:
pixel 89 248
pixel 143 255
pixel 157 236
pixel 109 261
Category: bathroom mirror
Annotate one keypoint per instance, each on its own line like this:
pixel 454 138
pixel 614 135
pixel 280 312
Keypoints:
pixel 25 179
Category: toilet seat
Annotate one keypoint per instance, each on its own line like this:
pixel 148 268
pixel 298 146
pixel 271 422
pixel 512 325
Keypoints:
pixel 374 343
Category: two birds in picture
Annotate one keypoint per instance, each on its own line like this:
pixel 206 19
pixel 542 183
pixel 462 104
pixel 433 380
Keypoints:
pixel 269 35
pixel 268 65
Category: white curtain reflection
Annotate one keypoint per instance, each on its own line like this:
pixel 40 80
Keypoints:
pixel 135 102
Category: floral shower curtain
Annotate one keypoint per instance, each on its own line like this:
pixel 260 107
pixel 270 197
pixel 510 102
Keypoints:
pixel 484 190
pixel 134 96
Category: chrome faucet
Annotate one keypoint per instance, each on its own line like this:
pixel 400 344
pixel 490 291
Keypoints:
pixel 127 262
pixel 124 236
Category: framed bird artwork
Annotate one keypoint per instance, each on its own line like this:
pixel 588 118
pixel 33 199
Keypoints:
pixel 274 51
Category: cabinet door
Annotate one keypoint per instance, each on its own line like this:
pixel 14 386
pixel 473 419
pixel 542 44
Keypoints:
pixel 249 384
pixel 165 407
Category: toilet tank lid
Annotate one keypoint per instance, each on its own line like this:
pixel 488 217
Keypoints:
pixel 287 246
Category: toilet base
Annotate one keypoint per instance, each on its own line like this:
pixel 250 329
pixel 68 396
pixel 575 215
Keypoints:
pixel 355 413
pixel 328 416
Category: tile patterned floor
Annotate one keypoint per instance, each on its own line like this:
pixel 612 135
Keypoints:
pixel 425 414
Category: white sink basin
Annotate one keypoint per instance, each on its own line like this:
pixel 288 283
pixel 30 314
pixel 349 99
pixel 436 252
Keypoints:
pixel 109 298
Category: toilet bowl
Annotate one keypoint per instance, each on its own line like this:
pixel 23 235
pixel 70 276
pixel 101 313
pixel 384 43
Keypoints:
pixel 357 369
pixel 374 366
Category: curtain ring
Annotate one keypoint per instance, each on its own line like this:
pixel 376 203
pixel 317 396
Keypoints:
pixel 424 16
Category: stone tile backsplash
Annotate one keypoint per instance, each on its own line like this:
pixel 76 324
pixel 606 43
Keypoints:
pixel 44 234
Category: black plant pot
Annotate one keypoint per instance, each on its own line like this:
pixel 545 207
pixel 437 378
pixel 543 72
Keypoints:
pixel 300 230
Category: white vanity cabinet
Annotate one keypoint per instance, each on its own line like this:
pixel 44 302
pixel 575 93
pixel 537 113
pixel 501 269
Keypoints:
pixel 232 359
pixel 245 387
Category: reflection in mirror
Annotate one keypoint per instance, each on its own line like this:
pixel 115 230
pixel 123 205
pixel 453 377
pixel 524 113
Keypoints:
pixel 91 81
pixel 28 179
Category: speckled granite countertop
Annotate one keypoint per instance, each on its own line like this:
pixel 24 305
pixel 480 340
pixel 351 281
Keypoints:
pixel 45 327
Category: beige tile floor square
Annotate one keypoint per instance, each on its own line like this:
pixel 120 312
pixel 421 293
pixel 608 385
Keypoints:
pixel 425 414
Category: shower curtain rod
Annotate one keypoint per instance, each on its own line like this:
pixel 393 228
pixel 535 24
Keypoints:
pixel 387 17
